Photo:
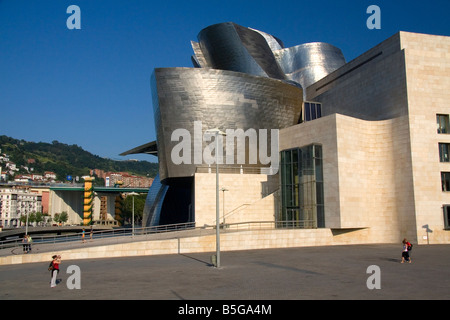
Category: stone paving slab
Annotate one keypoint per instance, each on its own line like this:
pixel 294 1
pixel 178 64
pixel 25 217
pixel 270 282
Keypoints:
pixel 307 273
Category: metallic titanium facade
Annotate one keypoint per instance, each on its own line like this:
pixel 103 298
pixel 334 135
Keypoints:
pixel 217 98
pixel 153 203
pixel 243 79
pixel 310 62
pixel 228 46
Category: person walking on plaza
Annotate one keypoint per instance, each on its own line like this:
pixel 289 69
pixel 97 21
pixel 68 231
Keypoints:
pixel 405 253
pixel 25 244
pixel 54 268
pixel 83 233
pixel 29 240
pixel 409 246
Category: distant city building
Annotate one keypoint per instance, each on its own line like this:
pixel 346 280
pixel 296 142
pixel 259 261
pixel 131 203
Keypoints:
pixel 127 180
pixel 22 178
pixel 16 202
pixel 123 178
pixel 11 168
pixel 98 173
pixel 10 172
pixel 37 177
pixel 3 175
pixel 49 175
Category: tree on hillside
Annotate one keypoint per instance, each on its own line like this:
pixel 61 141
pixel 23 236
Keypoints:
pixel 66 159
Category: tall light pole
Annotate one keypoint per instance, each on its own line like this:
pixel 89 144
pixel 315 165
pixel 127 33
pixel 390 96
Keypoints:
pixel 132 212
pixel 26 225
pixel 223 204
pixel 216 133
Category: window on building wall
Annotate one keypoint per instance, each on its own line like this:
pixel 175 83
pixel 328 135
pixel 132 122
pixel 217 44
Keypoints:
pixel 302 188
pixel 446 216
pixel 311 111
pixel 444 152
pixel 445 180
pixel 442 121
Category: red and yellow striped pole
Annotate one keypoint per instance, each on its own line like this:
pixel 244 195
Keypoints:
pixel 88 201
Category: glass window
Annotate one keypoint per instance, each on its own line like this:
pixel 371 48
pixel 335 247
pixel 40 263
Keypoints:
pixel 443 152
pixel 447 216
pixel 311 111
pixel 445 179
pixel 319 172
pixel 442 121
pixel 302 188
pixel 307 112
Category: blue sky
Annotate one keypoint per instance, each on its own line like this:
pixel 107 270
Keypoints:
pixel 91 87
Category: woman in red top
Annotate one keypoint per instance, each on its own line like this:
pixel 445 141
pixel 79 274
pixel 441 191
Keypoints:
pixel 409 246
pixel 405 253
pixel 55 269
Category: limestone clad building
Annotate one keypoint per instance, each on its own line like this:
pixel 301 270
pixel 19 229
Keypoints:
pixel 384 139
pixel 363 145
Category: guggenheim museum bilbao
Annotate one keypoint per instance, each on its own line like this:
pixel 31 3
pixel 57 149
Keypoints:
pixel 343 152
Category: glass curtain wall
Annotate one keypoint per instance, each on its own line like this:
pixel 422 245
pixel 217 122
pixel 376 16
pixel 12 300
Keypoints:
pixel 302 188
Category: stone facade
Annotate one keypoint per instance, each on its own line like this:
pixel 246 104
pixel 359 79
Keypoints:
pixel 428 81
pixel 381 167
pixel 362 175
pixel 380 143
pixel 249 197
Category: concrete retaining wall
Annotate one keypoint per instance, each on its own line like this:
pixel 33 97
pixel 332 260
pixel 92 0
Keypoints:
pixel 242 240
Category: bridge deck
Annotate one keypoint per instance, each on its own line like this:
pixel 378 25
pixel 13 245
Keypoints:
pixel 20 232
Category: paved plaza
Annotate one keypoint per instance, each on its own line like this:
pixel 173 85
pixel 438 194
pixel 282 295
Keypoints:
pixel 334 272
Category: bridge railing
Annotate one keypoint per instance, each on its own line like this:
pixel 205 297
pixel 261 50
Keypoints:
pixel 17 241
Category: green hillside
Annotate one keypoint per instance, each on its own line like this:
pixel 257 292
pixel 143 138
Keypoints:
pixel 64 159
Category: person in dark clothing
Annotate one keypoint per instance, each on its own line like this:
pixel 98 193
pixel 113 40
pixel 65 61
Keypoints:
pixel 405 253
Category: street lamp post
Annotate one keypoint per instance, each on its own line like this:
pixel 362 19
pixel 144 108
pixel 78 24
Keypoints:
pixel 216 133
pixel 132 212
pixel 26 226
pixel 223 204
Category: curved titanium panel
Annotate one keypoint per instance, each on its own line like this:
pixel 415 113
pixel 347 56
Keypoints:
pixel 198 59
pixel 153 203
pixel 273 42
pixel 219 99
pixel 307 63
pixel 228 46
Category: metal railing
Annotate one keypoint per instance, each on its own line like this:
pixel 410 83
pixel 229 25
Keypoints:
pixel 149 233
pixel 236 169
pixel 102 234
pixel 265 225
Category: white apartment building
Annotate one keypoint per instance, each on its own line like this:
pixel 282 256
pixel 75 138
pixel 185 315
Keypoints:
pixel 15 202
